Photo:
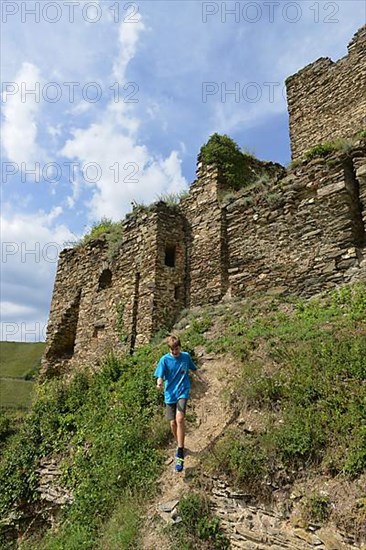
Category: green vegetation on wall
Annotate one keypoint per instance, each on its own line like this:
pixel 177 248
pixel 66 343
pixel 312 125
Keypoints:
pixel 222 151
pixel 105 228
pixel 324 149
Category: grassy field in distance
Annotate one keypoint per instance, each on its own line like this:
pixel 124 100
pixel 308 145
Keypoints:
pixel 19 362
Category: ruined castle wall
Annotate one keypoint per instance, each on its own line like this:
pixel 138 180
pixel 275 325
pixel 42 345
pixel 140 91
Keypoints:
pixel 327 100
pixel 302 236
pixel 100 302
pixel 135 266
pixel 171 267
pixel 206 238
pixel 74 279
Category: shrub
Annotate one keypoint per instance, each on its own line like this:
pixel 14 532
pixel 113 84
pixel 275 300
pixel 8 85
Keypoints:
pixel 316 508
pixel 222 151
pixel 242 457
pixel 324 149
pixel 106 228
pixel 274 200
pixel 97 230
pixel 5 426
pixel 355 462
pixel 300 438
pixel 198 523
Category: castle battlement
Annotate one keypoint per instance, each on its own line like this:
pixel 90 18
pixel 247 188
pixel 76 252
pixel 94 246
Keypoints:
pixel 327 99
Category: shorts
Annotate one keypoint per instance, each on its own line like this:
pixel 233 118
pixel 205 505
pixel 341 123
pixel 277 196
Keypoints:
pixel 172 408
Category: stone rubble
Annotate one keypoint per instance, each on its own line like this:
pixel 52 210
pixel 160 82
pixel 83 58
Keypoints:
pixel 257 527
pixel 49 483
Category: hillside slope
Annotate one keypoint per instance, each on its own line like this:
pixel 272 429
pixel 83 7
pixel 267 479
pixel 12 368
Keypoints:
pixel 310 493
pixel 276 440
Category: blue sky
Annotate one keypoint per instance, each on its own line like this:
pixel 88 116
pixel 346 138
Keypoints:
pixel 124 95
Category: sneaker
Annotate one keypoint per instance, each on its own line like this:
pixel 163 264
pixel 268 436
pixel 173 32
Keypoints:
pixel 179 463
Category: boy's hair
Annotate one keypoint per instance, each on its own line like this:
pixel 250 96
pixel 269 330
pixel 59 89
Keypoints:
pixel 173 341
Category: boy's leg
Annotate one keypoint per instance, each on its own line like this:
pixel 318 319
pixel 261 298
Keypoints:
pixel 181 432
pixel 181 428
pixel 170 413
pixel 180 420
pixel 173 427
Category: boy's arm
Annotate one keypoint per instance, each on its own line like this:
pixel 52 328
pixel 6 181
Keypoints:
pixel 159 374
pixel 200 377
pixel 195 370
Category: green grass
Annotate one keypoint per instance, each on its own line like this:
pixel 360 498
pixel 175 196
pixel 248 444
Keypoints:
pixel 311 372
pixel 123 528
pixel 20 362
pixel 199 529
pixel 300 366
pixel 15 393
pixel 20 359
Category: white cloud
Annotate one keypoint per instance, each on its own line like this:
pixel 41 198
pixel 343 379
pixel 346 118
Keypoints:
pixel 9 309
pixel 55 131
pixel 127 170
pixel 80 108
pixel 72 199
pixel 29 252
pixel 129 32
pixel 21 110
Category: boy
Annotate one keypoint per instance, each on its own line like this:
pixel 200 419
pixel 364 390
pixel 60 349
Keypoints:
pixel 173 369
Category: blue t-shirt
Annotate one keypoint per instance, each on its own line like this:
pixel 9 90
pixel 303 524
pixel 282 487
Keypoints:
pixel 174 371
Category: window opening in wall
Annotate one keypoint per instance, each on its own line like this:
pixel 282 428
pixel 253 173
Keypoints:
pixel 170 255
pixel 176 292
pixel 355 204
pixel 105 279
pixel 98 330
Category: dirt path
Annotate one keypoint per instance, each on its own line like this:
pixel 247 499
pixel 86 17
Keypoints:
pixel 212 417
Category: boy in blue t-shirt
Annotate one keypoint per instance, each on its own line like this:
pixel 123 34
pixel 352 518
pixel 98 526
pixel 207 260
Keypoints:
pixel 173 369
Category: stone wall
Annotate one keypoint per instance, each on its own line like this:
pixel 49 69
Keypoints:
pixel 250 526
pixel 298 234
pixel 299 231
pixel 304 233
pixel 100 303
pixel 207 266
pixel 207 225
pixel 170 269
pixel 327 100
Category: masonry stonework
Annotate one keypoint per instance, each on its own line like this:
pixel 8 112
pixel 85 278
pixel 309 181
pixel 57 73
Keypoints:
pixel 101 303
pixel 327 100
pixel 295 231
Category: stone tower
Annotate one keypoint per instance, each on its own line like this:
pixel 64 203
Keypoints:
pixel 327 100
